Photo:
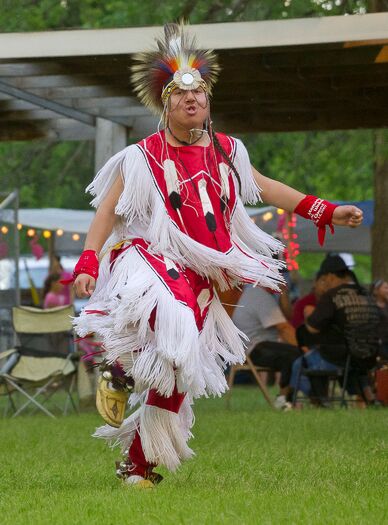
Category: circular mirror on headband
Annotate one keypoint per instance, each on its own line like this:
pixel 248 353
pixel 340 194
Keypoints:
pixel 187 79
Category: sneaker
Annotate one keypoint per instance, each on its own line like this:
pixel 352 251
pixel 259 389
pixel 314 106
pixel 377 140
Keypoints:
pixel 139 482
pixel 111 403
pixel 375 403
pixel 281 403
pixel 127 473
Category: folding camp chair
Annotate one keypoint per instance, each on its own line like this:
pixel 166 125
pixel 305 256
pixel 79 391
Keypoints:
pixel 362 346
pixel 41 363
pixel 248 366
pixel 338 376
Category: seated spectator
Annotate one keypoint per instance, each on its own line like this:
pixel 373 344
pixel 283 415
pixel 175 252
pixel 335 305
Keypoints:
pixel 301 305
pixel 379 291
pixel 345 308
pixel 57 268
pixel 54 293
pixel 272 338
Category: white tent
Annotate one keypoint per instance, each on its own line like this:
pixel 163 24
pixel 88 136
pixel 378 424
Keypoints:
pixel 74 221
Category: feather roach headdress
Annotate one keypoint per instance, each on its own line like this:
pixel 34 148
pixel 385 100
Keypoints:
pixel 177 63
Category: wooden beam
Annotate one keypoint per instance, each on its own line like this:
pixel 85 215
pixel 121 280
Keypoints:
pixel 53 130
pixel 81 92
pixel 59 108
pixel 275 107
pixel 237 60
pixel 362 43
pixel 382 57
pixel 47 104
pixel 264 34
pixel 244 95
pixel 19 69
pixel 73 80
pixel 104 104
pixel 255 122
pixel 14 104
pixel 284 58
pixel 33 114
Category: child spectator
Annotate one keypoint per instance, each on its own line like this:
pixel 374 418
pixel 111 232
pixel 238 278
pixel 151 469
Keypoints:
pixel 54 292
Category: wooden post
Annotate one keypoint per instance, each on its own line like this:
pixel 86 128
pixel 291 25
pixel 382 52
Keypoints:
pixel 110 138
pixel 380 229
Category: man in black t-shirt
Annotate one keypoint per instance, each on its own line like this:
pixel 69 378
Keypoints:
pixel 346 319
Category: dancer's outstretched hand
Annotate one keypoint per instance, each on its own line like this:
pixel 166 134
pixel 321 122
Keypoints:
pixel 347 215
pixel 84 285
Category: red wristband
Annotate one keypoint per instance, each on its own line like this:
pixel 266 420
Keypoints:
pixel 87 263
pixel 319 211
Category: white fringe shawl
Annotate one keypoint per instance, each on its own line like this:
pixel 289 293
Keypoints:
pixel 134 202
pixel 129 295
pixel 166 238
pixel 163 434
pixel 141 200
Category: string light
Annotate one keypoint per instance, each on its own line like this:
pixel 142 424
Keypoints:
pixel 47 234
pixel 4 229
pixel 59 232
pixel 30 232
pixel 292 250
pixel 279 211
pixel 19 226
pixel 267 216
pixel 75 237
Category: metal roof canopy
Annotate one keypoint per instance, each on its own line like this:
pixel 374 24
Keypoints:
pixel 281 75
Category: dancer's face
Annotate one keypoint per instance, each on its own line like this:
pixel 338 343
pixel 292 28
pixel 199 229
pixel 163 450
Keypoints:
pixel 188 109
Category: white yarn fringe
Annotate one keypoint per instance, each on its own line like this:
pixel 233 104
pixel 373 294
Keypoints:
pixel 248 235
pixel 166 238
pixel 175 351
pixel 134 201
pixel 163 439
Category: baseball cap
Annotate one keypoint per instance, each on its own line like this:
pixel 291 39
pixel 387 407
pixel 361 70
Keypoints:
pixel 332 264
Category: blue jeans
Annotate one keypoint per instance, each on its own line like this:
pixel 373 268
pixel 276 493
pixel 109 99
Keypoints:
pixel 313 361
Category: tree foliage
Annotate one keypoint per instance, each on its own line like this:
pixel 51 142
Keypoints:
pixel 336 164
pixel 38 15
pixel 48 175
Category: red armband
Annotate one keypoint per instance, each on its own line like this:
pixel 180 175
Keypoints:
pixel 87 263
pixel 319 211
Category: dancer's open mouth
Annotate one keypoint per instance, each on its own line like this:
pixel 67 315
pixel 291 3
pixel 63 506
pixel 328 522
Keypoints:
pixel 191 110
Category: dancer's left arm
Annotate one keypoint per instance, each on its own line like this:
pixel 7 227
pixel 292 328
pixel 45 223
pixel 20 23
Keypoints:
pixel 282 196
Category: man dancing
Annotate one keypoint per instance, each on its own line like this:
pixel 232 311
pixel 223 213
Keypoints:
pixel 170 222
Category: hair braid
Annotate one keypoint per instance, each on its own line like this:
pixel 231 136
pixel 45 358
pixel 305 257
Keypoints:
pixel 221 150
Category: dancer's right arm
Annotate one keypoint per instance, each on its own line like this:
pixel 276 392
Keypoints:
pixel 100 229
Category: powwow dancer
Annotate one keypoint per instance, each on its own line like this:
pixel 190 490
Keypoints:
pixel 170 222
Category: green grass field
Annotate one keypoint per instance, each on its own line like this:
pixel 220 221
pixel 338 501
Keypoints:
pixel 253 466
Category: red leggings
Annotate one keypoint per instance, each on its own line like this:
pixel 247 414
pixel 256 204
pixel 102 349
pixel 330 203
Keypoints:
pixel 136 454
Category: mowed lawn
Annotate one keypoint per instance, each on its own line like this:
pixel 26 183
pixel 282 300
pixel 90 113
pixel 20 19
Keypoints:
pixel 253 466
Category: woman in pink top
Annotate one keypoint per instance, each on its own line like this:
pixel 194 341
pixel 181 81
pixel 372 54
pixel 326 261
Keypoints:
pixel 54 292
pixel 57 268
